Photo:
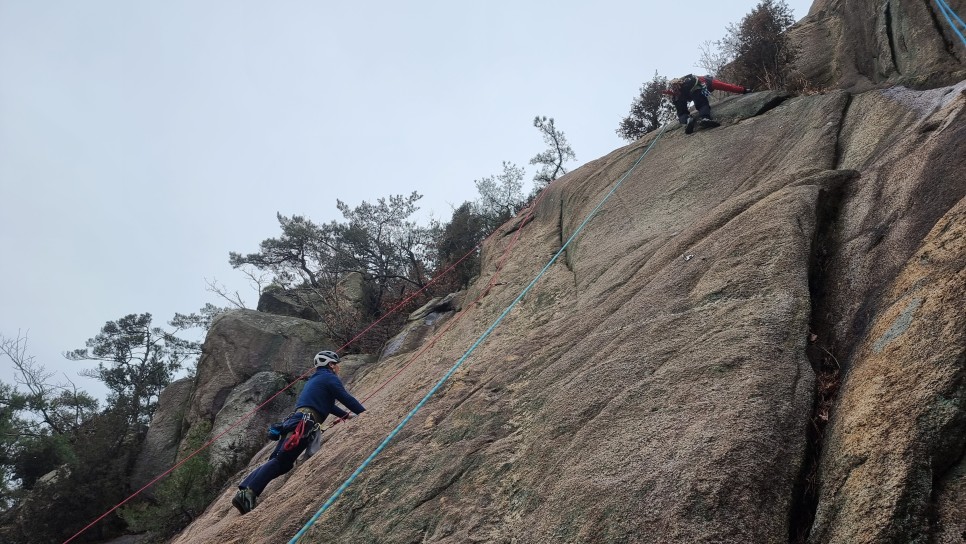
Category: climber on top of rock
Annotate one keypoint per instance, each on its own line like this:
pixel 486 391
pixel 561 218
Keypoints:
pixel 697 89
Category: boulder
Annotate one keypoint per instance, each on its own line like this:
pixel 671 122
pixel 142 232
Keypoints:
pixel 242 343
pixel 422 323
pixel 352 288
pixel 355 366
pixel 245 426
pixel 289 303
pixel 160 449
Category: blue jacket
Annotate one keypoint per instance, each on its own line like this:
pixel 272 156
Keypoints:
pixel 321 392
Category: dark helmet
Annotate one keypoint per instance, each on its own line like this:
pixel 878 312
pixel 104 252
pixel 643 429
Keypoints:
pixel 324 358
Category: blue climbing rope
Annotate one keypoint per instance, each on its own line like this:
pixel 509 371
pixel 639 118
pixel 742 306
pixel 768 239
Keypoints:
pixel 947 11
pixel 345 485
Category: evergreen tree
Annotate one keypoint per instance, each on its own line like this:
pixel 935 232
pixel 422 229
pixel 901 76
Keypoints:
pixel 80 490
pixel 464 232
pixel 558 152
pixel 381 243
pixel 135 361
pixel 39 420
pixel 11 403
pixel 201 320
pixel 377 242
pixel 301 256
pixel 181 497
pixel 501 196
pixel 649 110
pixel 759 46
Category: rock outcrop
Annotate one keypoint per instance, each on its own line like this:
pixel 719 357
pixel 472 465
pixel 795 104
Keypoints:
pixel 242 343
pixel 658 384
pixel 160 449
pixel 761 337
pixel 248 358
pixel 287 303
pixel 858 44
pixel 242 441
pixel 895 452
pixel 422 323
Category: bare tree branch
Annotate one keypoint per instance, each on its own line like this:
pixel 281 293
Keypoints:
pixel 62 407
pixel 30 375
pixel 234 298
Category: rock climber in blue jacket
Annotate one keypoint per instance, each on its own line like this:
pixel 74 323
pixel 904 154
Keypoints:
pixel 300 429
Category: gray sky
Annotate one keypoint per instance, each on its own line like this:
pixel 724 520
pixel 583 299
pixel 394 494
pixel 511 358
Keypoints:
pixel 140 142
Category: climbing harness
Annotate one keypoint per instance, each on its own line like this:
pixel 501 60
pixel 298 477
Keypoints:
pixel 355 474
pixel 300 432
pixel 950 15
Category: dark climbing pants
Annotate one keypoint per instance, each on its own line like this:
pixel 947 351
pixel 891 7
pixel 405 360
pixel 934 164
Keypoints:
pixel 278 463
pixel 701 104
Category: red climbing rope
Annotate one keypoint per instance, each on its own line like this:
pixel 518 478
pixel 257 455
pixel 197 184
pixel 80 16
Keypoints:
pixel 483 293
pixel 393 310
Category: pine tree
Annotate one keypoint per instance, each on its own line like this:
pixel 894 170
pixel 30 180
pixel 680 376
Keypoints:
pixel 649 110
pixel 761 50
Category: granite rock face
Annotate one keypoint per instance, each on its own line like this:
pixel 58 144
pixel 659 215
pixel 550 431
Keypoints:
pixel 241 441
pixel 859 44
pixel 242 343
pixel 288 303
pixel 759 337
pixel 160 449
pixel 248 359
pixel 659 382
pixel 895 450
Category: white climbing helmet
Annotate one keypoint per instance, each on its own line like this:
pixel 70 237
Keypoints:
pixel 323 358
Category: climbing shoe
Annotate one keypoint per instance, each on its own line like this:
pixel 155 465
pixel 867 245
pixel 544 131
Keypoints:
pixel 244 500
pixel 707 122
pixel 689 128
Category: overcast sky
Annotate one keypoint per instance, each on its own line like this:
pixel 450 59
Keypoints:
pixel 140 142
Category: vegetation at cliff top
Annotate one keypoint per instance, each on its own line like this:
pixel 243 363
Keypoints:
pixel 354 271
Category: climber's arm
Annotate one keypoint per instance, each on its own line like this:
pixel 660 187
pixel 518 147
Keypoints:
pixel 717 85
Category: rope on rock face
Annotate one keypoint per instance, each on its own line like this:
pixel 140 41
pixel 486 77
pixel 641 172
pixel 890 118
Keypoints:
pixel 449 324
pixel 252 412
pixel 483 293
pixel 949 14
pixel 394 309
pixel 355 474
